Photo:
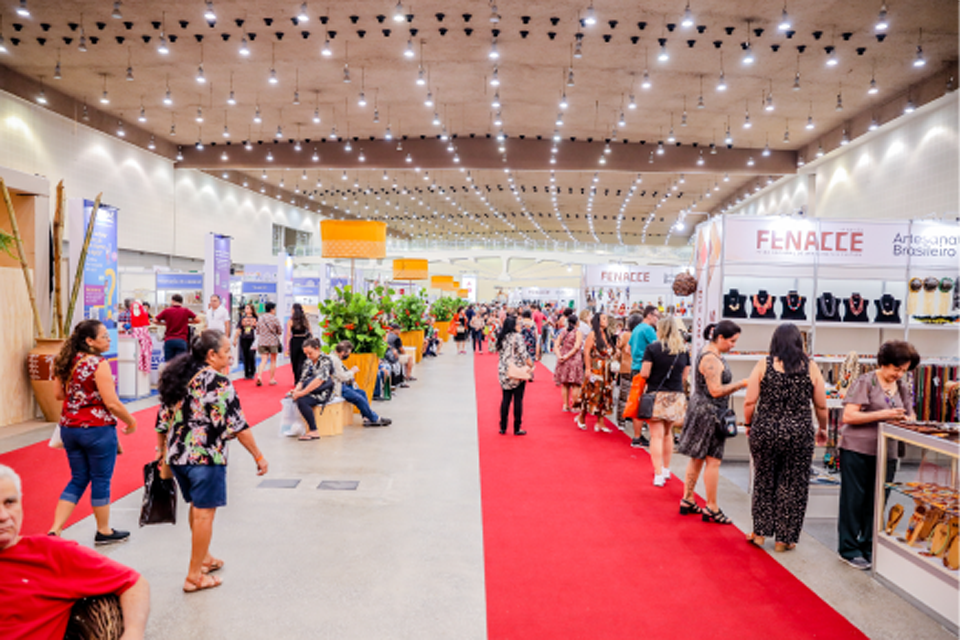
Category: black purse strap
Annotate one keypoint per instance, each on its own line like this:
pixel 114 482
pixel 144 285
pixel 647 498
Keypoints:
pixel 669 373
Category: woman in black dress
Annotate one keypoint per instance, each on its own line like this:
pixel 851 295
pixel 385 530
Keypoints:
pixel 245 335
pixel 780 428
pixel 699 439
pixel 298 330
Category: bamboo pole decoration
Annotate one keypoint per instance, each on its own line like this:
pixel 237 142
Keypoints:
pixel 57 328
pixel 78 276
pixel 37 325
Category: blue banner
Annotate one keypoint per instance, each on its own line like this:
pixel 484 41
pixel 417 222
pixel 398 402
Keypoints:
pixel 259 287
pixel 181 281
pixel 306 286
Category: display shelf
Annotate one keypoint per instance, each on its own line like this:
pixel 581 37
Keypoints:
pixel 772 322
pixel 822 324
pixel 921 326
pixel 950 507
pixel 924 580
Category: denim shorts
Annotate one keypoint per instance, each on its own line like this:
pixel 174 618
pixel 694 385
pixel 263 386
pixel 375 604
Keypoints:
pixel 202 485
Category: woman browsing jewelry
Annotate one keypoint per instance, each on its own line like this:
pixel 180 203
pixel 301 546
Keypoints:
pixel 879 396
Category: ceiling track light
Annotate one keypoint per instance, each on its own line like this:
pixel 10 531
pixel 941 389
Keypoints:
pixel 590 19
pixel 209 15
pixel 882 22
pixel 22 9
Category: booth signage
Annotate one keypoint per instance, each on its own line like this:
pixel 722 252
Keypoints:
pixel 180 281
pixel 835 242
pixel 260 287
pixel 221 268
pixel 306 286
pixel 632 276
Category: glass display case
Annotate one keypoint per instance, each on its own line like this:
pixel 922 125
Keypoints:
pixel 917 518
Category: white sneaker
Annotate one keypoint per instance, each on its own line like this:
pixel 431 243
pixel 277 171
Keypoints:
pixel 659 481
pixel 666 473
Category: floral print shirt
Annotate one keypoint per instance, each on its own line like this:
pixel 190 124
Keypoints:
pixel 83 406
pixel 198 427
pixel 513 350
pixel 269 330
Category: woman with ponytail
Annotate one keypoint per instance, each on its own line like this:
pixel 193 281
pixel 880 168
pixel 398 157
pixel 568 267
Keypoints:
pixel 88 426
pixel 699 439
pixel 199 413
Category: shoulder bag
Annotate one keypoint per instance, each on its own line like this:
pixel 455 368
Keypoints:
pixel 726 420
pixel 647 400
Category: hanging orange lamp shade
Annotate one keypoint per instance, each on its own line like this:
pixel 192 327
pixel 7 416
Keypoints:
pixel 441 282
pixel 410 269
pixel 353 239
pixel 463 293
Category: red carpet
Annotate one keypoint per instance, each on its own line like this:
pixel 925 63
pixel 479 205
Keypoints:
pixel 45 471
pixel 578 542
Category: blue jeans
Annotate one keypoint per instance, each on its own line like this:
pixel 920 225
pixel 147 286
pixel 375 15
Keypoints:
pixel 358 398
pixel 92 454
pixel 173 348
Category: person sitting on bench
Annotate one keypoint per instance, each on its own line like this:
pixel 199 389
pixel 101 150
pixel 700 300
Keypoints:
pixel 349 392
pixel 317 385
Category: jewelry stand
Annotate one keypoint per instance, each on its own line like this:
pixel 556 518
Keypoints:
pixel 855 309
pixel 793 307
pixel 762 306
pixel 888 309
pixel 734 305
pixel 828 308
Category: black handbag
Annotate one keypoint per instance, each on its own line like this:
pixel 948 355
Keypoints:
pixel 647 400
pixel 727 426
pixel 159 497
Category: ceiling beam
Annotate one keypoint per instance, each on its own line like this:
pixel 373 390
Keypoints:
pixel 482 153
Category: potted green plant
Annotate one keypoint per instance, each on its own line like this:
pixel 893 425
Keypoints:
pixel 442 311
pixel 358 318
pixel 409 311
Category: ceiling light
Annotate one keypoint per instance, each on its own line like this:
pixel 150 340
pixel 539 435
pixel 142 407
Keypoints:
pixel 766 150
pixel 82 47
pixel 421 77
pixel 687 20
pixel 498 120
pixel 768 103
pixel 578 49
pixel 645 82
pixel 750 161
pixel 436 119
pixel 882 22
pixel 495 78
pixel 226 132
pixel 302 16
pixel 104 98
pixel 348 147
pixel 388 135
pixel 199 117
pixel 819 153
pixel 173 129
pixel 200 77
pixel 910 108
pixel 273 76
pixel 670 137
pixel 663 56
pixel 839 106
pixel 796 82
pixel 728 138
pixel 428 101
pixel 660 149
pixel 810 124
pixel 722 82
pixel 346 74
pixel 256 115
pixel 316 116
pixel 873 124
pixel 700 160
pixel 589 20
pixel 918 60
pixel 746 120
pixel 162 45
pixel 208 14
pixel 633 102
pixel 22 10
pixel 844 139
pixel 42 97
pixel 748 55
pixel 326 52
pixel 269 156
pixel 244 46
pixel 376 115
pixel 874 89
pixel 143 115
pixel 362 100
pixel 152 144
pixel 248 145
pixel 494 54
pixel 361 157
pixel 494 16
pixel 333 133
pixel 3 49
pixel 832 60
pixel 398 14
pixel 622 121
pixel 409 52
pixel 785 23
pixel 199 145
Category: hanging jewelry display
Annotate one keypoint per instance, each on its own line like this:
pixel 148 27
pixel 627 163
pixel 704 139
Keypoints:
pixel 888 309
pixel 762 306
pixel 944 299
pixel 930 286
pixel 828 308
pixel 793 306
pixel 913 293
pixel 734 304
pixel 856 309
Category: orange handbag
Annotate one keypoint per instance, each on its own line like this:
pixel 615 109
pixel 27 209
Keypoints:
pixel 633 400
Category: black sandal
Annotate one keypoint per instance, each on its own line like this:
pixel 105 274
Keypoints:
pixel 688 508
pixel 716 517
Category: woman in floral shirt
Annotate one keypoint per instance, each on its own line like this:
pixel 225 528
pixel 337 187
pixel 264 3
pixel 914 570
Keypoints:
pixel 269 335
pixel 199 413
pixel 513 351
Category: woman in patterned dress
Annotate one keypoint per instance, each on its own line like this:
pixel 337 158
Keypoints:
pixel 699 439
pixel 199 413
pixel 88 426
pixel 780 429
pixel 568 373
pixel 513 351
pixel 596 394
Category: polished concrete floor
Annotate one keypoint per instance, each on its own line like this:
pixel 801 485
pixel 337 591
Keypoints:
pixel 402 555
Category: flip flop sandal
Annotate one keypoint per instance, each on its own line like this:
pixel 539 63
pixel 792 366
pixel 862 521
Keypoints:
pixel 205 582
pixel 896 514
pixel 306 437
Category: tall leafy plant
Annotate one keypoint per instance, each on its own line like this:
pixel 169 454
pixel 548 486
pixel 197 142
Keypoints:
pixel 409 311
pixel 444 308
pixel 355 317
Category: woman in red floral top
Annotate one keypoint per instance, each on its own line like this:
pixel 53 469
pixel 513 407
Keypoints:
pixel 88 426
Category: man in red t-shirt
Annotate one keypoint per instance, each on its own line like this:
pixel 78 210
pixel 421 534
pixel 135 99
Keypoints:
pixel 176 317
pixel 41 577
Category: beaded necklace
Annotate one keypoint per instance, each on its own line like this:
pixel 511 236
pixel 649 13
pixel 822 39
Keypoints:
pixel 825 305
pixel 884 306
pixel 762 308
pixel 794 302
pixel 856 305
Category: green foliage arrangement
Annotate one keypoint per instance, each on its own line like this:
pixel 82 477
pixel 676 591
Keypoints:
pixel 354 317
pixel 409 311
pixel 444 308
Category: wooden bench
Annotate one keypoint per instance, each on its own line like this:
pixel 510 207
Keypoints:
pixel 336 415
